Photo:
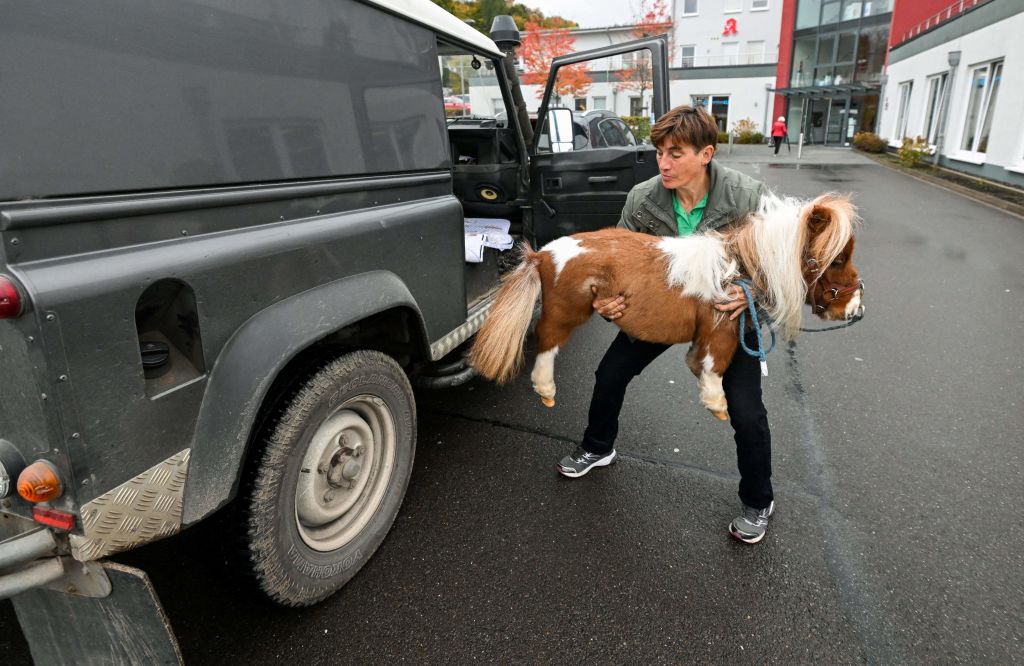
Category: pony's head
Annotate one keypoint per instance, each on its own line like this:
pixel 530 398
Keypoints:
pixel 834 288
pixel 797 252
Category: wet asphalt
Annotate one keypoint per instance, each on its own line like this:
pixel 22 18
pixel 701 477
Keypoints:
pixel 898 538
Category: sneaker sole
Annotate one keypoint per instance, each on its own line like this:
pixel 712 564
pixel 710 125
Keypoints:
pixel 603 462
pixel 739 536
pixel 742 537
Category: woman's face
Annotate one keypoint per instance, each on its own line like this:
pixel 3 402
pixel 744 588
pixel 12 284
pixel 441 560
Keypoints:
pixel 682 165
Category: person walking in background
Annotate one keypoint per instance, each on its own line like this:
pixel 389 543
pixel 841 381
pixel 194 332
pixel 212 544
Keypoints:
pixel 778 132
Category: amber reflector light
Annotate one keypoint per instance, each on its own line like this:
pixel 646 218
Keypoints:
pixel 39 482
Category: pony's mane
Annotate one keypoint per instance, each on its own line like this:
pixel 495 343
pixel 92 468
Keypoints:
pixel 770 247
pixel 700 264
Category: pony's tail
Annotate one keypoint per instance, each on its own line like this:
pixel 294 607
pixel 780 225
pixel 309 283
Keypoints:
pixel 497 353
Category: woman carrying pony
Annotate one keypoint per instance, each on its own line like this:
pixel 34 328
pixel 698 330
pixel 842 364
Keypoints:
pixel 692 193
pixel 703 228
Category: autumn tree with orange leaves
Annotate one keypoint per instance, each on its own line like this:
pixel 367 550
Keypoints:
pixel 638 74
pixel 539 47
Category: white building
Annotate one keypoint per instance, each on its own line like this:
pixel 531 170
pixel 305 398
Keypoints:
pixel 724 56
pixel 981 52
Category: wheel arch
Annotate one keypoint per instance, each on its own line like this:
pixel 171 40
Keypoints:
pixel 276 348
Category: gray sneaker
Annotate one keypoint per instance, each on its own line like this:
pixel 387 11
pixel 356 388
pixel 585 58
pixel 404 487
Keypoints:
pixel 752 524
pixel 579 462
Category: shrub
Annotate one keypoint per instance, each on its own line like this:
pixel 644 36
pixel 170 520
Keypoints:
pixel 723 137
pixel 869 142
pixel 752 137
pixel 914 150
pixel 641 126
pixel 745 131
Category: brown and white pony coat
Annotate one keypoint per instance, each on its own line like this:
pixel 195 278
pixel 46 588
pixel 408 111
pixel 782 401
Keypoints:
pixel 793 252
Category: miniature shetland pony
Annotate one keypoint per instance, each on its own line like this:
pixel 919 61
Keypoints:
pixel 792 252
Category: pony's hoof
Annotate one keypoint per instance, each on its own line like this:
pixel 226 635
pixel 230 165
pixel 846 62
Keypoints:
pixel 721 414
pixel 548 402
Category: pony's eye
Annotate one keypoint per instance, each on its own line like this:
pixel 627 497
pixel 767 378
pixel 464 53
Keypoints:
pixel 838 262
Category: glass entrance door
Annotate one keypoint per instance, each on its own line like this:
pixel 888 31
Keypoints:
pixel 835 129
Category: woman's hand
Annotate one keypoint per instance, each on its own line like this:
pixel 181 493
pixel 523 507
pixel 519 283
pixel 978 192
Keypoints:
pixel 736 301
pixel 611 308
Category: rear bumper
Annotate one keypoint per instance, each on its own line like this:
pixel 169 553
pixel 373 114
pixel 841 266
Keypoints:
pixel 28 560
pixel 36 558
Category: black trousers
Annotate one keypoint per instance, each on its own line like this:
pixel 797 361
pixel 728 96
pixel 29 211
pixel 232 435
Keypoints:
pixel 627 358
pixel 777 140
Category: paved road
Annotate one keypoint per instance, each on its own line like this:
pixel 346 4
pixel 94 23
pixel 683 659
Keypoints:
pixel 898 465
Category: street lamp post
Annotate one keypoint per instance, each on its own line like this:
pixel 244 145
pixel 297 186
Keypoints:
pixel 953 58
pixel 767 94
pixel 882 80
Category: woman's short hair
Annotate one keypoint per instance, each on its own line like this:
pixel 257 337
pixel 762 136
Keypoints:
pixel 686 125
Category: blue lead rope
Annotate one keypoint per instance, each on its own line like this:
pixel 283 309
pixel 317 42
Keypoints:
pixel 761 353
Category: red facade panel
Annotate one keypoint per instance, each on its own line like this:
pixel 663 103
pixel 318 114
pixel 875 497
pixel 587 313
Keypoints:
pixel 912 17
pixel 785 55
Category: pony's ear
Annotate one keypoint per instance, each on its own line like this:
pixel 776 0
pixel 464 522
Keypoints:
pixel 826 208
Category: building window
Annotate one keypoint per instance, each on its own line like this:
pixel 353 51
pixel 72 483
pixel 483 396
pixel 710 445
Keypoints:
pixel 807 13
pixel 872 45
pixel 874 7
pixel 689 7
pixel 901 115
pixel 984 89
pixel 936 91
pixel 757 5
pixel 688 55
pixel 636 106
pixel 717 106
pixel 851 10
pixel 580 103
pixel 829 12
pixel 730 6
pixel 803 62
pixel 600 103
pixel 730 53
pixel 755 53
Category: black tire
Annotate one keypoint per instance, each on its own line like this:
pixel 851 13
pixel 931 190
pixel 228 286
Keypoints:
pixel 365 398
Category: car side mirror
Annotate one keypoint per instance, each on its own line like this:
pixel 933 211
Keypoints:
pixel 559 128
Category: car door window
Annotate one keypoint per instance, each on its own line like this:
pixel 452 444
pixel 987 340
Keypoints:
pixel 614 132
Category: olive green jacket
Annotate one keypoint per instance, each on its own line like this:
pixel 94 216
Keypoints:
pixel 732 195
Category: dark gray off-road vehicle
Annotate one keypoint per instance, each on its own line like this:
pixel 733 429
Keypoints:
pixel 231 242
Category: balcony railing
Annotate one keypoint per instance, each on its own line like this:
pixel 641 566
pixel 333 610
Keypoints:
pixel 750 58
pixel 949 12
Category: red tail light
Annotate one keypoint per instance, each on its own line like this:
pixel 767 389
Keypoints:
pixel 10 299
pixel 62 520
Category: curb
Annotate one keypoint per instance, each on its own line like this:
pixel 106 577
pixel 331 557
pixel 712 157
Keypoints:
pixel 995 202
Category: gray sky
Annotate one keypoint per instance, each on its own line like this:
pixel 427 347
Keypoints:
pixel 589 13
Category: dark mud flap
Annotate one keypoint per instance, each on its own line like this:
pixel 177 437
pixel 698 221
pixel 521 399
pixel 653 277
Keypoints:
pixel 126 627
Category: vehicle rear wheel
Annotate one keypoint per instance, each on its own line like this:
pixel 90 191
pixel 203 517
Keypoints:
pixel 330 478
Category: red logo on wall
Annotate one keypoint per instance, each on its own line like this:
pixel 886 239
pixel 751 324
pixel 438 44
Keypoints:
pixel 730 27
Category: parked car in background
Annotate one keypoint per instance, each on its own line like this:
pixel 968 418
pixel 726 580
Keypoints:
pixel 456 105
pixel 606 129
pixel 599 128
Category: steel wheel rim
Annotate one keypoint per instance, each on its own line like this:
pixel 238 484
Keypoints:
pixel 345 473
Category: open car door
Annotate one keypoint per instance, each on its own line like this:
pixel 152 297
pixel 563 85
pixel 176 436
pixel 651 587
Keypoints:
pixel 583 187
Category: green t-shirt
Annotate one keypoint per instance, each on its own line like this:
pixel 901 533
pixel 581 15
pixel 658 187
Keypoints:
pixel 687 222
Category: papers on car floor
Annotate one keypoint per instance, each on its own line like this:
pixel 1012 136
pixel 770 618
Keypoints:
pixel 481 232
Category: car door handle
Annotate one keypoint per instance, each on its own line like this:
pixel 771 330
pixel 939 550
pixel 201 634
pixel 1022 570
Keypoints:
pixel 602 179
